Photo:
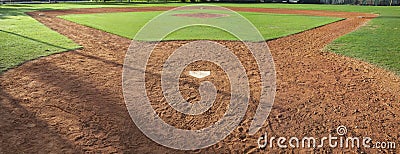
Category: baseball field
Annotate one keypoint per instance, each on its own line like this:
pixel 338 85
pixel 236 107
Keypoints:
pixel 62 83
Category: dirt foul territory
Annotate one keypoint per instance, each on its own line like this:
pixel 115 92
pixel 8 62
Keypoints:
pixel 72 102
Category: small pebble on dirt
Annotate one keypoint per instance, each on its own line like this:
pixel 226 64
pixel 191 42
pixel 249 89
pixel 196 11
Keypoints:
pixel 242 136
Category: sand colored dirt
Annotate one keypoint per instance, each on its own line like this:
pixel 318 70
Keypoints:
pixel 72 101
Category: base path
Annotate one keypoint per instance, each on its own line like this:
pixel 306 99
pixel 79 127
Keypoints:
pixel 72 102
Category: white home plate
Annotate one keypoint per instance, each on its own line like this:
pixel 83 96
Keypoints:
pixel 199 74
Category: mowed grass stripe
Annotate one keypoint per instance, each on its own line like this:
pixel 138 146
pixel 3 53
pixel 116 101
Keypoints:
pixel 23 38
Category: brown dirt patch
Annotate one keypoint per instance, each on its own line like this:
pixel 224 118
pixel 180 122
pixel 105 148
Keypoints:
pixel 72 102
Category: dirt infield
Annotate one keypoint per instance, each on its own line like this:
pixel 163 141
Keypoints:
pixel 72 101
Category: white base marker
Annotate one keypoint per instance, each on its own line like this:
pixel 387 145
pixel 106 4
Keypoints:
pixel 199 74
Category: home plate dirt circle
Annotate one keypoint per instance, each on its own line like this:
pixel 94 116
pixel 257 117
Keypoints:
pixel 137 99
pixel 72 102
pixel 138 102
pixel 188 86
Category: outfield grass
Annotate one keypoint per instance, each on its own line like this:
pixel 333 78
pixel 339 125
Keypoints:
pixel 376 43
pixel 271 26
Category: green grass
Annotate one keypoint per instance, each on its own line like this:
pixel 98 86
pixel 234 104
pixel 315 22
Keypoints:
pixel 271 26
pixel 378 42
pixel 22 38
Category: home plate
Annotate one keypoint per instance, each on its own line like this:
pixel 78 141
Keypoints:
pixel 199 74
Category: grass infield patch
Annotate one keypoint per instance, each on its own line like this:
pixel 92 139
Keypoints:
pixel 271 26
